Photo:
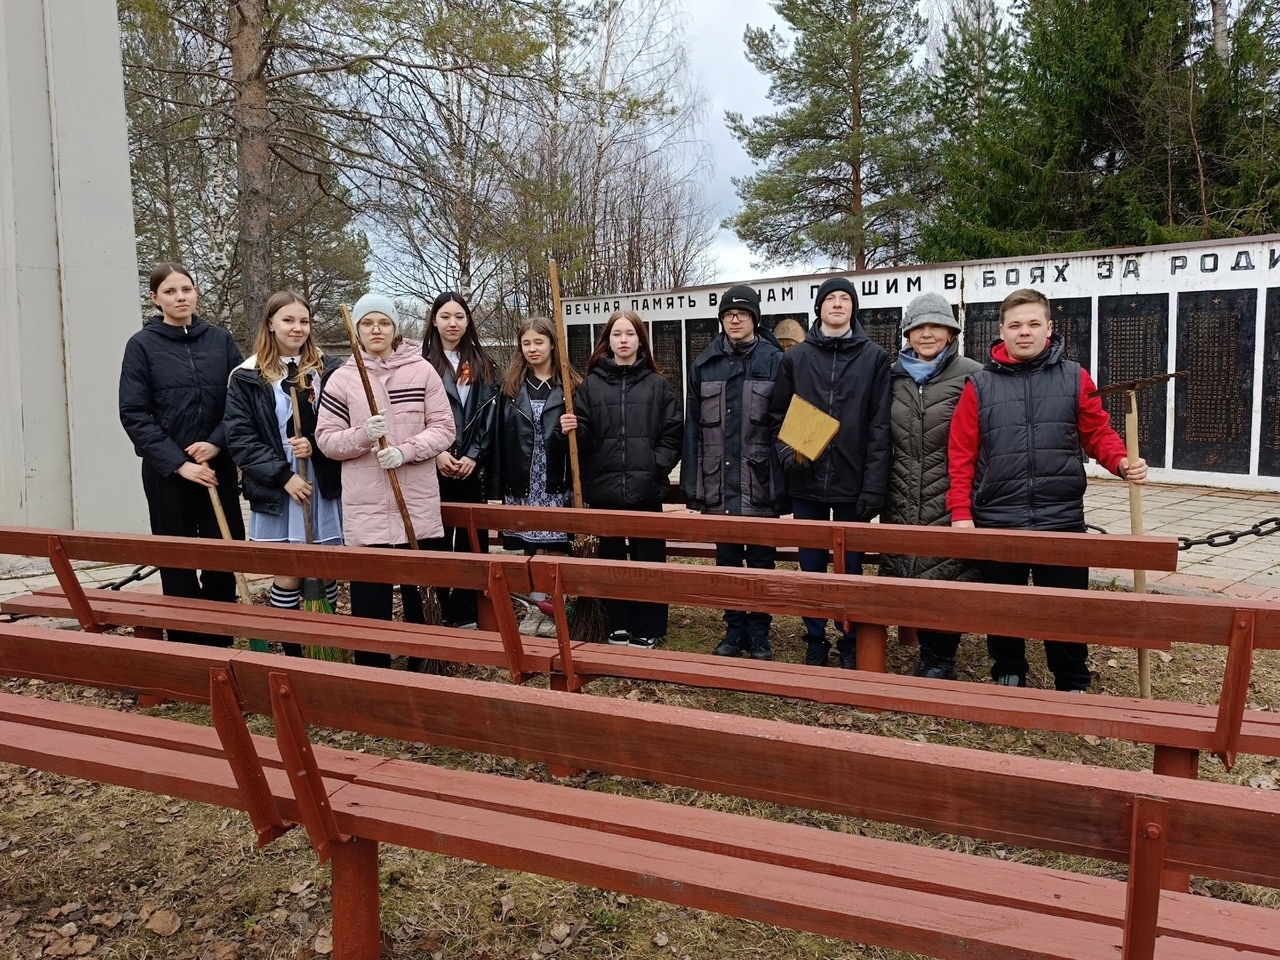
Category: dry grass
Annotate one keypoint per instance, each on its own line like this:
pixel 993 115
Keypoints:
pixel 87 867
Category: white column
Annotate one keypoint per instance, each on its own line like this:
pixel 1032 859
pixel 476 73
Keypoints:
pixel 69 295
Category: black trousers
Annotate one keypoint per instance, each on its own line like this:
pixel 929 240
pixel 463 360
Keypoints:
pixel 377 600
pixel 814 560
pixel 742 626
pixel 1068 662
pixel 639 618
pixel 179 508
pixel 459 606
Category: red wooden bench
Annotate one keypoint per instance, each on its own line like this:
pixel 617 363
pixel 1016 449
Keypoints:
pixel 1179 731
pixel 881 892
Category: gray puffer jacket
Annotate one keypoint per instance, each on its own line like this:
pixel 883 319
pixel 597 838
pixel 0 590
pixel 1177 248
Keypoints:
pixel 918 478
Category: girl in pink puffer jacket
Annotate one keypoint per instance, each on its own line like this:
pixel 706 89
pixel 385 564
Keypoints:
pixel 414 415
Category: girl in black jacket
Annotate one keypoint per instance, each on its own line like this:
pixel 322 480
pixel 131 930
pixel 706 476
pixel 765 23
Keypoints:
pixel 262 441
pixel 629 434
pixel 173 387
pixel 471 380
pixel 533 450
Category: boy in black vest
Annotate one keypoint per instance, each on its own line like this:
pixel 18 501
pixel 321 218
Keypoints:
pixel 728 464
pixel 1015 463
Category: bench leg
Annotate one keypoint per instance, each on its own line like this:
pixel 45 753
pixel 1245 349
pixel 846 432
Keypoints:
pixel 560 682
pixel 357 926
pixel 1176 762
pixel 873 643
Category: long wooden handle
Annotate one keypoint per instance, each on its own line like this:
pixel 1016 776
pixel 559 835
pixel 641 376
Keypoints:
pixel 1135 525
pixel 373 409
pixel 566 382
pixel 302 466
pixel 242 585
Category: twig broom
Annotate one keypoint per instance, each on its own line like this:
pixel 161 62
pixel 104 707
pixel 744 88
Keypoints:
pixel 589 623
pixel 313 596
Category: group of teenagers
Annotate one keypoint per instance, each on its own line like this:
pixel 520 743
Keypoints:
pixel 933 438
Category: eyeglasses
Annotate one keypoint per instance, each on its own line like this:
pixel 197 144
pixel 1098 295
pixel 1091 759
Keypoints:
pixel 375 324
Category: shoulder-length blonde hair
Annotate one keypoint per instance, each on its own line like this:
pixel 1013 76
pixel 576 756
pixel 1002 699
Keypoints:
pixel 520 368
pixel 311 362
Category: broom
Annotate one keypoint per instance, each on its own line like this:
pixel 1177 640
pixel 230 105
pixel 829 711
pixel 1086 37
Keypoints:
pixel 589 623
pixel 431 613
pixel 242 585
pixel 313 595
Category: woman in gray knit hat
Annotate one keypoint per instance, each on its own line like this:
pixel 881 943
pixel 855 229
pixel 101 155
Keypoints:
pixel 926 382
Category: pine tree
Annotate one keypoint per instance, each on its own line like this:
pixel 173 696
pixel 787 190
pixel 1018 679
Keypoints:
pixel 973 93
pixel 839 163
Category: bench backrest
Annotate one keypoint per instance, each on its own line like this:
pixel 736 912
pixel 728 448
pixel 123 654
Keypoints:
pixel 1066 549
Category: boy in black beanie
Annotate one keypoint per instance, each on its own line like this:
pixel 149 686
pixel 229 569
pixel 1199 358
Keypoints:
pixel 841 372
pixel 728 464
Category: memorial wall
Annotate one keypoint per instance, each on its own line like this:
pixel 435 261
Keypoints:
pixel 1211 309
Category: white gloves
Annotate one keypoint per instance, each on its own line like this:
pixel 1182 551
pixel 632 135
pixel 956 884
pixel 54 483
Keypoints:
pixel 375 427
pixel 390 458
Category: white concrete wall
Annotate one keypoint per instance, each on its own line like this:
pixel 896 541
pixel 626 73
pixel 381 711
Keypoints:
pixel 68 272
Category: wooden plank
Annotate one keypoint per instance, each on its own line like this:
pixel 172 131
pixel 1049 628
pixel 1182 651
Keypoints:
pixel 329 563
pixel 1070 549
pixel 396 638
pixel 883 862
pixel 1085 616
pixel 896 918
pixel 164 771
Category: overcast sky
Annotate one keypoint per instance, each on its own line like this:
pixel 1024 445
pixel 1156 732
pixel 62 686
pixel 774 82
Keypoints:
pixel 729 82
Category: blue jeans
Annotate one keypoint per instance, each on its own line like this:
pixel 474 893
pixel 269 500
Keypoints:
pixel 815 560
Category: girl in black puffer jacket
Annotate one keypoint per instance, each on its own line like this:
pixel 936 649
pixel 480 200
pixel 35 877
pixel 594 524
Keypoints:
pixel 629 434
pixel 173 388
pixel 261 440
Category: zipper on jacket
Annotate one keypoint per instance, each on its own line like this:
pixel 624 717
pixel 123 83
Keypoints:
pixel 920 459
pixel 831 405
pixel 1031 453
pixel 624 438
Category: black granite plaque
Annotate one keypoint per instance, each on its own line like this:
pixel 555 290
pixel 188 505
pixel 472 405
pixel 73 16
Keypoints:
pixel 883 325
pixel 1072 318
pixel 1213 407
pixel 1133 338
pixel 1269 440
pixel 981 329
pixel 697 334
pixel 665 336
pixel 580 345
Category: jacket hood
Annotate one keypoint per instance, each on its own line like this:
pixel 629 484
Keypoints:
pixel 196 328
pixel 817 338
pixel 611 370
pixel 1000 361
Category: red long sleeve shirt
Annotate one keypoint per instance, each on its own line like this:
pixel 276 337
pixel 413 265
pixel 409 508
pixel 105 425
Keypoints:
pixel 1092 423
